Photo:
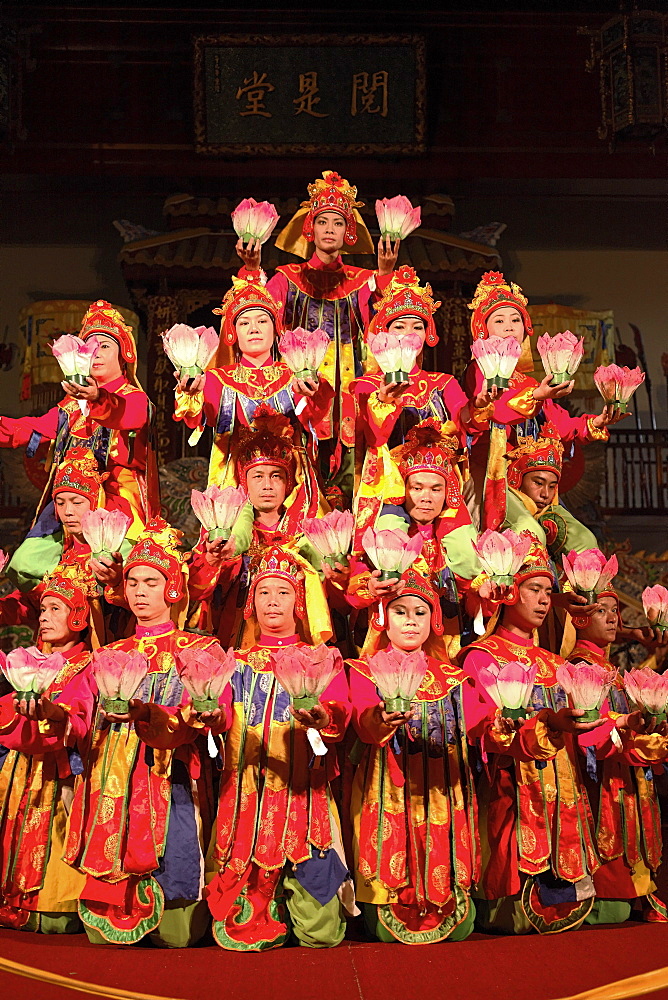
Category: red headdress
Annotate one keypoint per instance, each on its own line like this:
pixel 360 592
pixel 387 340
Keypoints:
pixel 78 473
pixel 492 293
pixel 247 292
pixel 70 586
pixel 277 561
pixel 159 546
pixel 537 563
pixel 332 194
pixel 415 585
pixel 405 296
pixel 102 318
pixel 430 448
pixel 533 454
pixel 268 442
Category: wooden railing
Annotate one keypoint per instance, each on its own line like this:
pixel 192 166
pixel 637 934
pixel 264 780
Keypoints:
pixel 636 479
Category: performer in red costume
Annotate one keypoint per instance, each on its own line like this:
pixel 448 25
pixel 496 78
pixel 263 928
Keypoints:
pixel 115 429
pixel 536 827
pixel 148 787
pixel 622 787
pixel 277 827
pixel 414 783
pixel 42 745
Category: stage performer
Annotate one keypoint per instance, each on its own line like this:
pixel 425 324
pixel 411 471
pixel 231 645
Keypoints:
pixel 622 786
pixel 115 428
pixel 226 397
pixel 278 841
pixel 143 811
pixel 499 309
pixel 532 496
pixel 43 745
pixel 536 826
pixel 414 782
pixel 326 293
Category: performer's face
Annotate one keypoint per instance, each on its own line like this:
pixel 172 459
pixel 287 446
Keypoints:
pixel 329 230
pixel 535 597
pixel 267 486
pixel 275 606
pixel 540 487
pixel 408 623
pixel 408 324
pixel 506 321
pixel 145 593
pixel 255 334
pixel 53 627
pixel 70 508
pixel 602 627
pixel 425 496
pixel 106 364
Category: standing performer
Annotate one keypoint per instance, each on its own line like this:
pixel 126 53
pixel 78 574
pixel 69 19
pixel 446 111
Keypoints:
pixel 115 428
pixel 143 811
pixel 277 827
pixel 414 783
pixel 622 788
pixel 536 827
pixel 42 744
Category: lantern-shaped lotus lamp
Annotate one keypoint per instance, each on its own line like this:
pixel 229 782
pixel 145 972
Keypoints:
pixel 502 553
pixel 31 672
pixel 304 351
pixel 561 355
pixel 105 530
pixel 75 357
pixel 398 675
pixel 396 355
pixel 217 509
pixel 510 686
pixel 119 676
pixel 617 385
pixel 396 217
pixel 655 606
pixel 497 359
pixel 391 551
pixel 190 349
pixel 254 220
pixel 648 691
pixel 305 672
pixel 331 535
pixel 589 572
pixel 204 674
pixel 586 685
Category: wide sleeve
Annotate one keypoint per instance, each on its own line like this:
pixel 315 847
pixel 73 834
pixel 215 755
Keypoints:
pixel 573 428
pixel 125 410
pixel 77 698
pixel 190 408
pixel 336 699
pixel 15 432
pixel 169 728
pixel 365 699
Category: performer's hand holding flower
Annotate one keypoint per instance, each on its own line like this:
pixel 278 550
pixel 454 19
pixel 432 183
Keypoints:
pixel 250 253
pixel 387 255
pixel 305 387
pixel 610 414
pixel 138 712
pixel 90 393
pixel 317 718
pixel 393 391
pixel 39 709
pixel 392 719
pixel 191 386
pixel 108 571
pixel 380 589
pixel 548 391
pixel 566 720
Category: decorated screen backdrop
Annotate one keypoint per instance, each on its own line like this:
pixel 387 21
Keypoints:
pixel 309 94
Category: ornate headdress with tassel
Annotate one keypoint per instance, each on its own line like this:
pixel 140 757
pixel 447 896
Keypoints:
pixel 78 473
pixel 268 442
pixel 405 296
pixel 70 585
pixel 247 292
pixel 435 448
pixel 276 561
pixel 534 454
pixel 160 547
pixel 492 293
pixel 331 193
pixel 103 318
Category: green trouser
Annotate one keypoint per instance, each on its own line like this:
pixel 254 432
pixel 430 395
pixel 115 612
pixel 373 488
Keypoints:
pixel 314 925
pixel 609 911
pixel 33 558
pixel 378 930
pixel 180 926
pixel 54 923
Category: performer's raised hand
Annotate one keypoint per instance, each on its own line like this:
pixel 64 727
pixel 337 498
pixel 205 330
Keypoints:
pixel 566 720
pixel 337 574
pixel 39 709
pixel 138 712
pixel 503 726
pixel 547 391
pixel 250 253
pixel 219 550
pixel 393 391
pixel 306 387
pixel 380 589
pixel 317 718
pixel 610 414
pixel 392 719
pixel 494 592
pixel 108 570
pixel 387 255
pixel 190 385
pixel 574 603
pixel 90 393
pixel 485 397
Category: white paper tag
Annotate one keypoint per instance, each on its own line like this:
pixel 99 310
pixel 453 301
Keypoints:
pixel 300 405
pixel 196 435
pixel 83 406
pixel 616 738
pixel 478 623
pixel 372 283
pixel 315 739
pixel 211 744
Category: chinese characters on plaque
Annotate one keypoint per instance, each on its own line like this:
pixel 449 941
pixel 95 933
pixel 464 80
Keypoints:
pixel 304 95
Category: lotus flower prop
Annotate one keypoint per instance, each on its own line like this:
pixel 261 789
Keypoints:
pixel 502 553
pixel 589 572
pixel 497 359
pixel 391 551
pixel 586 685
pixel 304 351
pixel 254 220
pixel 509 686
pixel 204 674
pixel 75 357
pixel 190 349
pixel 398 675
pixel 105 530
pixel 655 605
pixel 306 672
pixel 561 355
pixel 331 535
pixel 395 355
pixel 217 509
pixel 648 691
pixel 396 217
pixel 118 676
pixel 617 385
pixel 31 672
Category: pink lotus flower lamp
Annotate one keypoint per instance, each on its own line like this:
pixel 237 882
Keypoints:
pixel 304 351
pixel 391 551
pixel 655 606
pixel 105 530
pixel 305 672
pixel 118 675
pixel 190 349
pixel 648 691
pixel 75 357
pixel 31 672
pixel 204 674
pixel 561 355
pixel 502 554
pixel 586 685
pixel 331 535
pixel 398 675
pixel 396 217
pixel 617 384
pixel 497 359
pixel 396 355
pixel 254 220
pixel 217 509
pixel 589 572
pixel 509 686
